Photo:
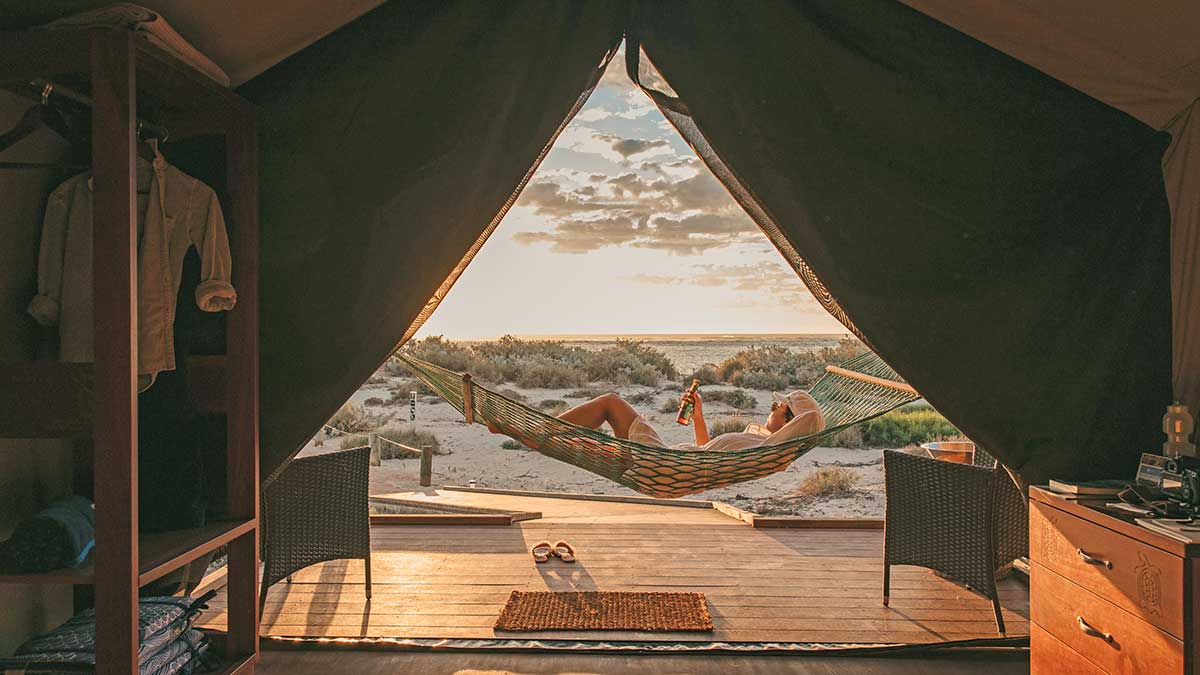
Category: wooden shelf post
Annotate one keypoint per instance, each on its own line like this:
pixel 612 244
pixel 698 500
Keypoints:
pixel 114 269
pixel 241 381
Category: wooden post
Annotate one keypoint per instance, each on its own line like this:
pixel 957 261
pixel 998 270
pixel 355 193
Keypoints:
pixel 468 399
pixel 376 451
pixel 114 278
pixel 241 381
pixel 426 465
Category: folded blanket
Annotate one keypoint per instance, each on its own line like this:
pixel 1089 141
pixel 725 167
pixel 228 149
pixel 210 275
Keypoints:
pixel 166 642
pixel 60 535
pixel 151 26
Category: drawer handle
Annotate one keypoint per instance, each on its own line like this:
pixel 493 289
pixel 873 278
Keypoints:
pixel 1088 630
pixel 1092 560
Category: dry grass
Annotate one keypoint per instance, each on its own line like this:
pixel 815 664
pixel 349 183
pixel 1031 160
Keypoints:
pixel 827 483
pixel 354 419
pixel 406 435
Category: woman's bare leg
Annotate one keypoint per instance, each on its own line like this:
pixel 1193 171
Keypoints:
pixel 609 408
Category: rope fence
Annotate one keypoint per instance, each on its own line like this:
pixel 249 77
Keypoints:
pixel 376 442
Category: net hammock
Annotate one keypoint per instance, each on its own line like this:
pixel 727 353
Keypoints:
pixel 855 391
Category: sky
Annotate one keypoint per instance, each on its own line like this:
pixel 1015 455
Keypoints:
pixel 623 230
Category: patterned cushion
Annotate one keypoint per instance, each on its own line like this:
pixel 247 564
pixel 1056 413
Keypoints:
pixel 163 625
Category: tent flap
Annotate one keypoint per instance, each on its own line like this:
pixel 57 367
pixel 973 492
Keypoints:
pixel 388 149
pixel 1001 239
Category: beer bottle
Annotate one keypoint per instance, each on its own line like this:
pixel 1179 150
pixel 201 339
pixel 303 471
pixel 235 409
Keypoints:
pixel 688 405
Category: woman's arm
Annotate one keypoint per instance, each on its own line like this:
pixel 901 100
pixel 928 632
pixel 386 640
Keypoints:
pixel 698 422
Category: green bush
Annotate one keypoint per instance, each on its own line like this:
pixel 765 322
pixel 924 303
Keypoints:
pixel 906 426
pixel 510 444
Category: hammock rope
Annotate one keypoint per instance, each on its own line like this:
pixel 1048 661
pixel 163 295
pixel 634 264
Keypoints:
pixel 858 390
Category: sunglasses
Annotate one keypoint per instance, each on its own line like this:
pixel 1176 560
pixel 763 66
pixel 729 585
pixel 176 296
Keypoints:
pixel 775 405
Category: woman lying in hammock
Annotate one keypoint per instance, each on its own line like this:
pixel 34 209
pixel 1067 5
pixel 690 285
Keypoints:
pixel 797 412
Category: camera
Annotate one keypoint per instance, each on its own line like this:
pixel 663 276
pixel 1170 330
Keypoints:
pixel 1181 482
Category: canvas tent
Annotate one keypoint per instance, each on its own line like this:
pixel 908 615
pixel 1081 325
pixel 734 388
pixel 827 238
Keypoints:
pixel 994 223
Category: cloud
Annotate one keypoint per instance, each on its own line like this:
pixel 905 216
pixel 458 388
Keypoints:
pixel 650 208
pixel 628 147
pixel 760 286
pixel 581 236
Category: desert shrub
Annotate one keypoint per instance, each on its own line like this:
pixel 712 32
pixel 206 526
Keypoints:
pixel 734 398
pixel 374 401
pixel 726 425
pixel 906 426
pixel 353 418
pixel 394 368
pixel 547 364
pixel 400 388
pixel 510 444
pixel 453 356
pixel 775 367
pixel 376 380
pixel 629 361
pixel 549 376
pixel 407 435
pixel 707 374
pixel 513 395
pixel 671 405
pixel 846 349
pixel 826 483
pixel 641 397
pixel 850 437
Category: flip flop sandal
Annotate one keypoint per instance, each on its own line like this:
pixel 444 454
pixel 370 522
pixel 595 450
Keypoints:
pixel 541 552
pixel 564 552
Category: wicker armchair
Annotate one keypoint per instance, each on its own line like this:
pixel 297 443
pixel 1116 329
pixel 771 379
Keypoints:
pixel 315 511
pixel 1012 511
pixel 947 517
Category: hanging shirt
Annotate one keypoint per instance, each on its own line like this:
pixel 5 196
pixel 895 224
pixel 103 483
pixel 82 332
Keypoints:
pixel 176 213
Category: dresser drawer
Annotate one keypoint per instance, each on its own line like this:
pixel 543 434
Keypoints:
pixel 1048 656
pixel 1136 577
pixel 1107 636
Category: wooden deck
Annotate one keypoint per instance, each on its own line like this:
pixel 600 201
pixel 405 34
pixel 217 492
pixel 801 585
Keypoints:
pixel 785 585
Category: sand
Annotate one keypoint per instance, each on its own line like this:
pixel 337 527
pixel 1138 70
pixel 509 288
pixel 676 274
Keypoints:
pixel 474 454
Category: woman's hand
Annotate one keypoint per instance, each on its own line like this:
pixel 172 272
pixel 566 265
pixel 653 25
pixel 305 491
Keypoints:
pixel 698 410
pixel 698 425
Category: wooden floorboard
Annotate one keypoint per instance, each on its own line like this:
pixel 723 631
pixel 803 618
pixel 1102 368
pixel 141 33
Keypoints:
pixel 389 663
pixel 788 585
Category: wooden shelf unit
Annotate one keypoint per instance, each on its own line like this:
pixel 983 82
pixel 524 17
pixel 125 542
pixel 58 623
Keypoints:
pixel 118 70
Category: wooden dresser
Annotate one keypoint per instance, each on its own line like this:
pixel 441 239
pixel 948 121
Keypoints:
pixel 1108 596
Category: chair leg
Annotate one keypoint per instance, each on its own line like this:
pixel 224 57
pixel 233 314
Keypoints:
pixel 999 617
pixel 262 597
pixel 887 583
pixel 367 564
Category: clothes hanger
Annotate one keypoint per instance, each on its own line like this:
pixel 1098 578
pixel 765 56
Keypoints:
pixel 36 117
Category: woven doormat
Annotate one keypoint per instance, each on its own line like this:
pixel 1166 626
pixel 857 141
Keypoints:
pixel 604 610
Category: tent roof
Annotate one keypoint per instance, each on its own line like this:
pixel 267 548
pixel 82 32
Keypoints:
pixel 1148 46
pixel 244 38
